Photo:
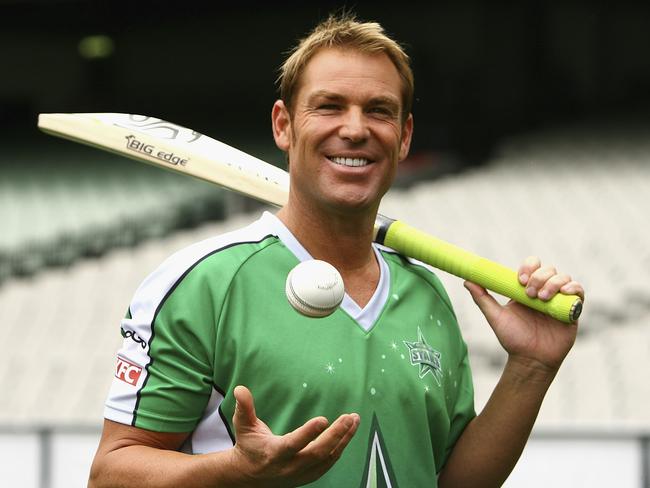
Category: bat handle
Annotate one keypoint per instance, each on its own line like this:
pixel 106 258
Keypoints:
pixel 493 276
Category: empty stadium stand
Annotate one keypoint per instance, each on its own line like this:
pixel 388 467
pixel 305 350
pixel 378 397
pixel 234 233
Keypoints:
pixel 60 202
pixel 576 197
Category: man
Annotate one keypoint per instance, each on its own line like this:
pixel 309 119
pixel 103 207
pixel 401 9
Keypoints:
pixel 211 328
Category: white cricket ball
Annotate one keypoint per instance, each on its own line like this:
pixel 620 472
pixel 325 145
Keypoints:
pixel 315 288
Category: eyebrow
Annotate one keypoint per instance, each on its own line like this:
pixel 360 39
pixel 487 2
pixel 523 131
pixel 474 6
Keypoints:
pixel 379 100
pixel 327 95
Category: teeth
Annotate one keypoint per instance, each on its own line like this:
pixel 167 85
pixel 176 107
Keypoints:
pixel 350 161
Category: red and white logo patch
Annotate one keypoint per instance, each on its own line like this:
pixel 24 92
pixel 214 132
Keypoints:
pixel 127 371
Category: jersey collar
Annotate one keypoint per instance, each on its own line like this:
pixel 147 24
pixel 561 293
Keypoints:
pixel 366 316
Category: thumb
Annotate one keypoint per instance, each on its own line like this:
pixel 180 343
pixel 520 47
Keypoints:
pixel 486 302
pixel 244 415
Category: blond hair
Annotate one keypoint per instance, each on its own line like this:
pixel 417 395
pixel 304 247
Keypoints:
pixel 344 31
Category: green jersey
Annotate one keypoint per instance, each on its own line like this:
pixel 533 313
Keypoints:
pixel 215 315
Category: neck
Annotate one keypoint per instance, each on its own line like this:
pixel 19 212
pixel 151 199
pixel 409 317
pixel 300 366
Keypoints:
pixel 342 239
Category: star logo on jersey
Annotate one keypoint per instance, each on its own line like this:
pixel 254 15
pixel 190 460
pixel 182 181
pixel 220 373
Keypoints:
pixel 423 355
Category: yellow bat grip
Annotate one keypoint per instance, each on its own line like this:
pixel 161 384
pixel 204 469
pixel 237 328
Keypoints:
pixel 450 258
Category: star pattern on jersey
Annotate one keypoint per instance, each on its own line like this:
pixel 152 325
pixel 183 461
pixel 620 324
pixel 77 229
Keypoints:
pixel 377 475
pixel 425 356
pixel 378 472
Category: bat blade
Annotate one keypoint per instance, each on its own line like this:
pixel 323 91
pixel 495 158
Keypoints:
pixel 183 150
pixel 170 146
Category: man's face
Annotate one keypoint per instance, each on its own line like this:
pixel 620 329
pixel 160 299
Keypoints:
pixel 345 134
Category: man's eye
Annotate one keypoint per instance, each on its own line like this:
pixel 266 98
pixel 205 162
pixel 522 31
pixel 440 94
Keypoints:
pixel 328 106
pixel 382 111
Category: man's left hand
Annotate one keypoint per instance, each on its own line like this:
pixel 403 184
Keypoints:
pixel 527 335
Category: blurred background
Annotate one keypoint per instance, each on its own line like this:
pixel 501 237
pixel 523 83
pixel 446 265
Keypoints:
pixel 532 137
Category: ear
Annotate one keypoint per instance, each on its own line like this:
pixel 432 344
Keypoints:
pixel 281 121
pixel 407 133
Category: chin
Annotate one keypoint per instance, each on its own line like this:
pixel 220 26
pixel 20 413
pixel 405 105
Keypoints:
pixel 355 205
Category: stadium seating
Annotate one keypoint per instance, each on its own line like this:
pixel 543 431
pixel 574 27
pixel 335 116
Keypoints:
pixel 578 198
pixel 68 203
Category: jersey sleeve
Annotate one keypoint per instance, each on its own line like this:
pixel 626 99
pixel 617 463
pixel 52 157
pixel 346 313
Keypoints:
pixel 164 376
pixel 164 371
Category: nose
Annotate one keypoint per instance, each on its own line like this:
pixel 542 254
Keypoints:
pixel 354 125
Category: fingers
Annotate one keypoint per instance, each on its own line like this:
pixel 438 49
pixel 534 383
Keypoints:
pixel 299 439
pixel 347 437
pixel 544 282
pixel 245 415
pixel 529 266
pixel 573 288
pixel 298 457
pixel 486 302
pixel 534 277
pixel 318 454
pixel 330 444
pixel 327 459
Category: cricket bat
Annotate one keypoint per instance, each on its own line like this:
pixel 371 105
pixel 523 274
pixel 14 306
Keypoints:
pixel 176 148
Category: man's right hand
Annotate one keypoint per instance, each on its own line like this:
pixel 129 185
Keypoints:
pixel 129 456
pixel 293 459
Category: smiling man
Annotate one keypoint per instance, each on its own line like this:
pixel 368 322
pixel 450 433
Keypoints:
pixel 235 388
pixel 344 132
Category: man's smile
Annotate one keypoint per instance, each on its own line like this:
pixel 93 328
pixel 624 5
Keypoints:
pixel 345 161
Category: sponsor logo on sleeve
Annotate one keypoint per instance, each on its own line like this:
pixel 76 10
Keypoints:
pixel 127 371
pixel 129 334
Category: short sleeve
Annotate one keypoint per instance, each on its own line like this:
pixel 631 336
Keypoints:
pixel 164 370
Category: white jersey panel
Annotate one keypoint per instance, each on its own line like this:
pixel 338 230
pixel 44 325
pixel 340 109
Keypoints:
pixel 133 357
pixel 211 435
